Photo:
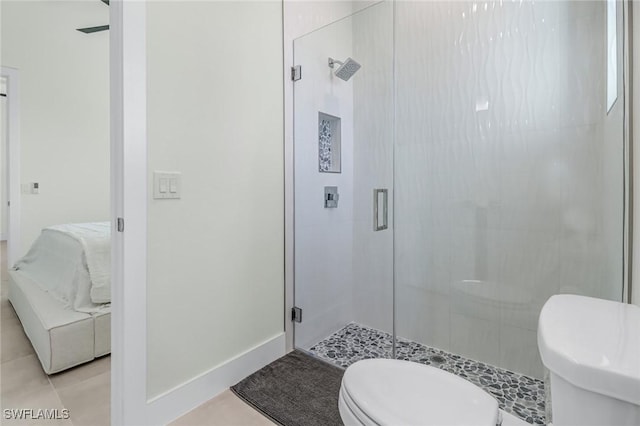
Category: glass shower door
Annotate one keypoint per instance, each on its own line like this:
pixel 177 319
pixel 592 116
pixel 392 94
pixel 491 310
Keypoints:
pixel 343 187
pixel 509 170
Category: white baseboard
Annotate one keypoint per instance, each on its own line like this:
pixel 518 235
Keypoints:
pixel 184 398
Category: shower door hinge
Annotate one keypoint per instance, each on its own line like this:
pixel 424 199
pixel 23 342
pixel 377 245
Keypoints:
pixel 120 224
pixel 296 314
pixel 296 73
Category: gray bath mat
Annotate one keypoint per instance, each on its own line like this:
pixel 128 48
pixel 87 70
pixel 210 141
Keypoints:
pixel 295 390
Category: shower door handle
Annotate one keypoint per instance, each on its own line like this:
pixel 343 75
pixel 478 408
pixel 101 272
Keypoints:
pixel 380 196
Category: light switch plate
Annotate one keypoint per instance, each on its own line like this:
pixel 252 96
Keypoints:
pixel 167 185
pixel 31 188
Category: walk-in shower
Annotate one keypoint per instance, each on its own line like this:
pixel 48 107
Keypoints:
pixel 500 144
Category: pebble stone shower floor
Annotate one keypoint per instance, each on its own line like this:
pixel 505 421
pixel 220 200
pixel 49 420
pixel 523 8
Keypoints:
pixel 517 394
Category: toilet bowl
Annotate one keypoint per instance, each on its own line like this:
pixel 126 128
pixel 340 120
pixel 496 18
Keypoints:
pixel 592 349
pixel 395 392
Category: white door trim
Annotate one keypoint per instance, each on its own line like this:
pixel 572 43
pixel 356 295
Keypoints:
pixel 13 155
pixel 128 201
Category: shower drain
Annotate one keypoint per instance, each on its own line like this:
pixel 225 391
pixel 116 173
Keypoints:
pixel 437 359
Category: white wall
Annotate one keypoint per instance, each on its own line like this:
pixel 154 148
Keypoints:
pixel 215 113
pixel 64 110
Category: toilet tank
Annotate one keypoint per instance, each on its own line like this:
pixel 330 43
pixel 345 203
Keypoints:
pixel 592 350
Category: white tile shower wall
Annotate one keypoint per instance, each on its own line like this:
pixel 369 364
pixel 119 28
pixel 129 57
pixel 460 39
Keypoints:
pixel 305 16
pixel 504 176
pixel 373 165
pixel 323 237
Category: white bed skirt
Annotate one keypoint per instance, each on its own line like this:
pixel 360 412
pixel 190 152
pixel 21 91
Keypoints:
pixel 61 337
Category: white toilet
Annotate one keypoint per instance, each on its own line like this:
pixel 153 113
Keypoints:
pixel 591 347
pixel 395 392
pixel 592 350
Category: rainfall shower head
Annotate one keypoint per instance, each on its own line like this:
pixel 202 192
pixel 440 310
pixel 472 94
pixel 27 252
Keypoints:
pixel 346 70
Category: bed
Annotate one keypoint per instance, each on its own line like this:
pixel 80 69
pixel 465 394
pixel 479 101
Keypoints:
pixel 61 291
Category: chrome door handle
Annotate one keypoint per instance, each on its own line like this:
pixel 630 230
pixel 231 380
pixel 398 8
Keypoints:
pixel 376 209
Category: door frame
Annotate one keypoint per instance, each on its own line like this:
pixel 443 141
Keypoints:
pixel 127 45
pixel 12 76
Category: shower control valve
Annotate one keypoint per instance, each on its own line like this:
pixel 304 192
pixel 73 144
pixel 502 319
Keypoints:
pixel 331 197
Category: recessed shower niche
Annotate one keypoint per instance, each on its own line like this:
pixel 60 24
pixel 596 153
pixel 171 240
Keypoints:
pixel 329 160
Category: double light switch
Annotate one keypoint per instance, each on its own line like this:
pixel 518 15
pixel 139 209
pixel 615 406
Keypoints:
pixel 166 185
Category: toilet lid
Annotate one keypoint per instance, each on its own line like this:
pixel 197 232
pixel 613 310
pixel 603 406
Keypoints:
pixel 394 392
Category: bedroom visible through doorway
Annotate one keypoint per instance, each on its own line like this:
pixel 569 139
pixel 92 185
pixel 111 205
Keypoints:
pixel 56 282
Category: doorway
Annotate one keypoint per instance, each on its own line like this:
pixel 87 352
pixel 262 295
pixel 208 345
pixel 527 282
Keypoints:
pixel 59 217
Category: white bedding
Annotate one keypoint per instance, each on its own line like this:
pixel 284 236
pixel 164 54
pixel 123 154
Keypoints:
pixel 72 263
pixel 96 241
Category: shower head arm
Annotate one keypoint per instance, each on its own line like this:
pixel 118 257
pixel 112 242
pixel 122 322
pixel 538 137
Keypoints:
pixel 332 62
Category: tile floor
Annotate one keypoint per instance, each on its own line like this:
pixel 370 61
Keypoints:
pixel 225 409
